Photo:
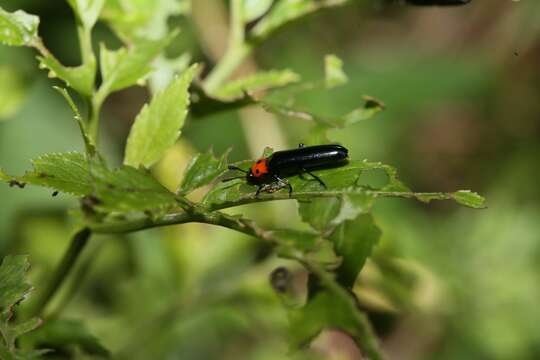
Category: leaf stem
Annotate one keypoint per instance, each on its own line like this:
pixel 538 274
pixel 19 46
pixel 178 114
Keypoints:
pixel 77 245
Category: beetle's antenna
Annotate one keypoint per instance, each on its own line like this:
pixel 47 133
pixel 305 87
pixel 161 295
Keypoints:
pixel 233 178
pixel 232 167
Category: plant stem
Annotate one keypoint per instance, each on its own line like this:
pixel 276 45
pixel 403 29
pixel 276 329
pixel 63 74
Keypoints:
pixel 78 243
pixel 237 50
pixel 85 43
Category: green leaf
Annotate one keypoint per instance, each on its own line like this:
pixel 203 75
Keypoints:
pixel 13 91
pixel 18 28
pixel 327 311
pixel 13 290
pixel 65 172
pixel 63 334
pixel 371 107
pixel 354 240
pixel 319 213
pixel 123 68
pixel 141 19
pixel 123 189
pixel 469 198
pixel 129 189
pixel 325 214
pixel 87 11
pixel 368 110
pixel 256 82
pixel 254 9
pixel 158 125
pixel 311 246
pixel 286 11
pixel 202 170
pixel 13 285
pixel 88 142
pixel 333 70
pixel 80 78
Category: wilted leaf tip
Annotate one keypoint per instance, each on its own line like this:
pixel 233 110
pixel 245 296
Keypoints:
pixel 469 199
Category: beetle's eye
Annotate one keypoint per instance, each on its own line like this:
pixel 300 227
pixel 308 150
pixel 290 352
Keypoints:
pixel 260 161
pixel 257 171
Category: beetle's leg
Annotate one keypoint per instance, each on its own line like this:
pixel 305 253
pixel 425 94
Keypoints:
pixel 285 182
pixel 258 191
pixel 233 178
pixel 316 178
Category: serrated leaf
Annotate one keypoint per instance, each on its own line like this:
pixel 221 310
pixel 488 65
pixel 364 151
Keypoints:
pixel 66 172
pixel 354 241
pixel 13 285
pixel 311 245
pixel 18 28
pixel 129 189
pixel 254 9
pixel 87 11
pixel 256 82
pixel 80 78
pixel 286 11
pixel 333 71
pixel 13 290
pixel 65 334
pixel 158 125
pixel 469 198
pixel 327 311
pixel 202 170
pixel 126 67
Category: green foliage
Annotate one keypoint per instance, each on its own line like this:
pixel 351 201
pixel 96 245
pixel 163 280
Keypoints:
pixel 18 28
pixel 310 245
pixel 259 81
pixel 141 19
pixel 341 231
pixel 87 11
pixel 367 111
pixel 126 67
pixel 63 334
pixel 326 311
pixel 354 240
pixel 129 189
pixel 202 170
pixel 286 11
pixel 333 70
pixel 80 78
pixel 158 125
pixel 13 290
pixel 65 172
pixel 253 9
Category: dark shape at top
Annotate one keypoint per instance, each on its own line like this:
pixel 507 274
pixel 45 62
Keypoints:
pixel 438 2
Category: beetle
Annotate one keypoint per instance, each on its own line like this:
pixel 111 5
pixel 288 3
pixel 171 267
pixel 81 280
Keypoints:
pixel 271 171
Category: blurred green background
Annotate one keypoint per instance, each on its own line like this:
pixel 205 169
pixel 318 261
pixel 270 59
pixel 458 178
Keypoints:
pixel 462 92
